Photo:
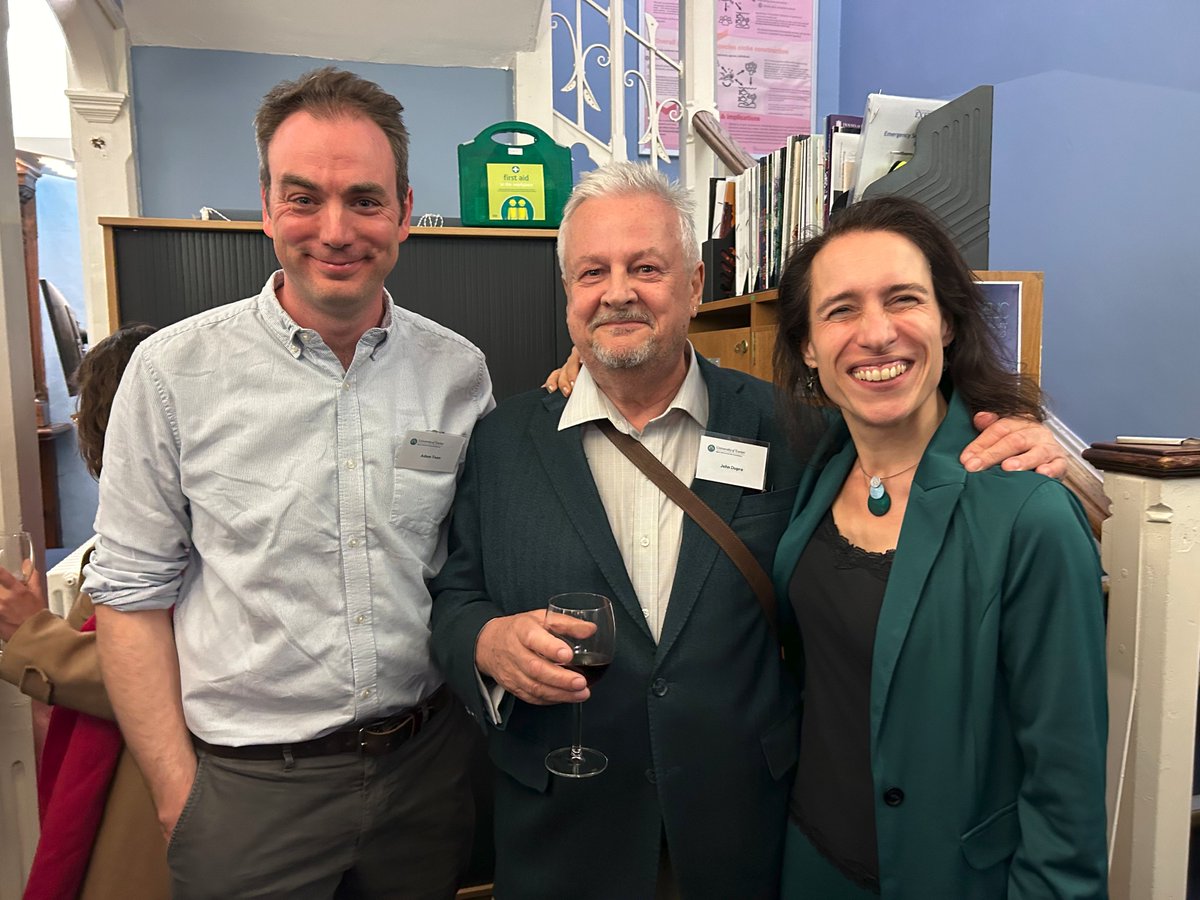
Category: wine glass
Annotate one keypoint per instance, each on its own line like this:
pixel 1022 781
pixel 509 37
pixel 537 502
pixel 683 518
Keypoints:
pixel 16 548
pixel 592 656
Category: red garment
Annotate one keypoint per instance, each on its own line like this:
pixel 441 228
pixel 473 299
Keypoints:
pixel 77 767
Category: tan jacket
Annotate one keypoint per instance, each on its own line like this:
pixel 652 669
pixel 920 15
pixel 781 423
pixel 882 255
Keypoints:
pixel 51 661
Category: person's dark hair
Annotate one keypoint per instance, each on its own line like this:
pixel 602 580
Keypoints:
pixel 97 378
pixel 328 93
pixel 973 358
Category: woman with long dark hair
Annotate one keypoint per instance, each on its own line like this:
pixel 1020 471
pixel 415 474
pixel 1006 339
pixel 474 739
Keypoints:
pixel 100 835
pixel 954 722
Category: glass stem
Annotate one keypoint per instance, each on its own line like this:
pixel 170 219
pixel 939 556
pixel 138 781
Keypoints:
pixel 577 742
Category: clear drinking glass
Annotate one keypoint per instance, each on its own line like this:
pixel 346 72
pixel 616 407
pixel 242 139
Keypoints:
pixel 592 656
pixel 16 548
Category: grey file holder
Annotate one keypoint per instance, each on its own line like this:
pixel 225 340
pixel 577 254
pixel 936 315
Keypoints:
pixel 951 171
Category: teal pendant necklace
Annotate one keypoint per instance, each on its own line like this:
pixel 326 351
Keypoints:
pixel 878 501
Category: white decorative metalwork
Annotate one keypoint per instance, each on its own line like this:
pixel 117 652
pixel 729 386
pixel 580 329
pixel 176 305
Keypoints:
pixel 652 135
pixel 578 81
pixel 611 56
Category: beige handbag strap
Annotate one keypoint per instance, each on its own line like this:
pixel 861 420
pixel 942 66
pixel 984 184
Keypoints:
pixel 702 514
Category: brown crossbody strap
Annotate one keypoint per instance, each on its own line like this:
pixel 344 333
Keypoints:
pixel 702 514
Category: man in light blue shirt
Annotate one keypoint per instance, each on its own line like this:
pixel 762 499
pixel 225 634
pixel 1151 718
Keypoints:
pixel 277 475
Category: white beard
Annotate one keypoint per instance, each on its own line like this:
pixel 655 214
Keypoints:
pixel 629 358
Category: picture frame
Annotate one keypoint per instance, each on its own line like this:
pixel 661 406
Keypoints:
pixel 1016 298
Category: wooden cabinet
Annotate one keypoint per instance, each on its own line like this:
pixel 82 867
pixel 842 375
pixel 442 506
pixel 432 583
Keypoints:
pixel 729 347
pixel 738 333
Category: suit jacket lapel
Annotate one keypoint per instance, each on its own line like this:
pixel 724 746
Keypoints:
pixel 936 488
pixel 567 471
pixel 727 414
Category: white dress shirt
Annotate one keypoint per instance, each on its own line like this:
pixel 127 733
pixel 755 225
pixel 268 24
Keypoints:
pixel 646 523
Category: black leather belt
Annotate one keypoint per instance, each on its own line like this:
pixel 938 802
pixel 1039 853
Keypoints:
pixel 370 738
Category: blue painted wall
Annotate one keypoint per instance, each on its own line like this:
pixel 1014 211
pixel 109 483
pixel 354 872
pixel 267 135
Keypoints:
pixel 829 59
pixel 193 111
pixel 1095 134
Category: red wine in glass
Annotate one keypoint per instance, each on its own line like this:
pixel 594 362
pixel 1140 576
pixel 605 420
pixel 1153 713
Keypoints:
pixel 592 657
pixel 590 665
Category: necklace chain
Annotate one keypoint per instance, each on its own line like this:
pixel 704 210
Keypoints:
pixel 885 477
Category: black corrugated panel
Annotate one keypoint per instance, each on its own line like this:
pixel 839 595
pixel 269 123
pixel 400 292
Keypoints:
pixel 503 294
pixel 164 275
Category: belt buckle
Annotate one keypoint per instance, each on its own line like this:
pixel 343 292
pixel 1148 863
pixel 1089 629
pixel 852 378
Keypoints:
pixel 375 743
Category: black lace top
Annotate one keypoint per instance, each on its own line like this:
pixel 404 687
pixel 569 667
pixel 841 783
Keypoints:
pixel 837 591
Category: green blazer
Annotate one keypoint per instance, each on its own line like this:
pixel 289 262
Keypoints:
pixel 988 709
pixel 700 729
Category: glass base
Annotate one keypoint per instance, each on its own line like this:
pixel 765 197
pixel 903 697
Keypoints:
pixel 570 763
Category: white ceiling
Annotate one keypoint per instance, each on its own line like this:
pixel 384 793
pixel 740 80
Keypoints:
pixel 483 33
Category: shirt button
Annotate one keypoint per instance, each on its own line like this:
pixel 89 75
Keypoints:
pixel 651 777
pixel 359 619
pixel 366 693
pixel 645 612
pixel 351 464
pixel 645 542
pixel 353 542
pixel 345 385
pixel 893 796
pixel 659 688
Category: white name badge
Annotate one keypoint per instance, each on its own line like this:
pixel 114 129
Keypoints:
pixel 430 451
pixel 730 461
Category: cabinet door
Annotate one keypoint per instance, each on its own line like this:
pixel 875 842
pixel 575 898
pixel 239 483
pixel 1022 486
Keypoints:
pixel 762 349
pixel 728 347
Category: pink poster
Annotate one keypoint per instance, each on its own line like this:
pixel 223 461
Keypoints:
pixel 764 69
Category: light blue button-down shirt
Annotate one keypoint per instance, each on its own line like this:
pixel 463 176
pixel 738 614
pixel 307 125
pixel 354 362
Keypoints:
pixel 253 483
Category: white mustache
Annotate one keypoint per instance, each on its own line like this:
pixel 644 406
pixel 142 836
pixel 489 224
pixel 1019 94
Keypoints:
pixel 623 315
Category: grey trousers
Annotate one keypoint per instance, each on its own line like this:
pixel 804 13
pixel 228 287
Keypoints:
pixel 393 826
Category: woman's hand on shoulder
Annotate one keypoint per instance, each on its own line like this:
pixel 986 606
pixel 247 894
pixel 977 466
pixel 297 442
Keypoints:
pixel 563 379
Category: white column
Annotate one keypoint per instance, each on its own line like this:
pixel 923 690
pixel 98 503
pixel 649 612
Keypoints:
pixel 1152 554
pixel 102 140
pixel 20 496
pixel 616 74
pixel 102 136
pixel 698 91
pixel 533 80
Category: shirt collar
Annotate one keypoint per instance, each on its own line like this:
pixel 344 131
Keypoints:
pixel 296 338
pixel 588 403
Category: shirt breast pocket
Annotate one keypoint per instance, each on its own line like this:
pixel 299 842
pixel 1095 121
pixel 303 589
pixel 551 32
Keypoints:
pixel 421 499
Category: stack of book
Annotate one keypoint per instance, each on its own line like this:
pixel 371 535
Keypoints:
pixel 791 193
pixel 768 208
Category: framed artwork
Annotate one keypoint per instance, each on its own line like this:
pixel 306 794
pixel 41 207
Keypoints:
pixel 1016 301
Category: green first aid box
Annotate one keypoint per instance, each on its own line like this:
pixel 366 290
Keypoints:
pixel 513 185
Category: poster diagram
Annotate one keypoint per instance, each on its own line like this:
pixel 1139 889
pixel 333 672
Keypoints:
pixel 764 69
